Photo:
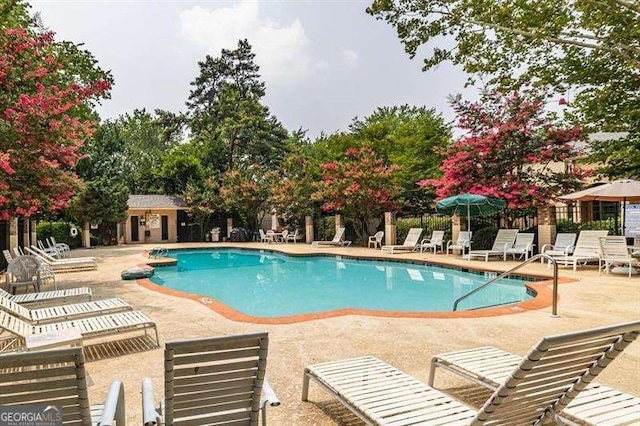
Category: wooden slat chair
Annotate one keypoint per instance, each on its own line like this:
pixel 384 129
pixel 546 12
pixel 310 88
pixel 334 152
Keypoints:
pixel 92 327
pixel 503 241
pixel 64 312
pixel 541 386
pixel 218 380
pixel 58 378
pixel 58 297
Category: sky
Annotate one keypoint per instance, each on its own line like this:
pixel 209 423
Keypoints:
pixel 324 62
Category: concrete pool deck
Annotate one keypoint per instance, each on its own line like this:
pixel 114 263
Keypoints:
pixel 591 300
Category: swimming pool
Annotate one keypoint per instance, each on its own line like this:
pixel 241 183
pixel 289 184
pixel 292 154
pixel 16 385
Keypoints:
pixel 265 284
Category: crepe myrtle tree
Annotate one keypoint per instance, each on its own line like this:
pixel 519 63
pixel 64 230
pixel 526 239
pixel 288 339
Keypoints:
pixel 245 193
pixel 507 151
pixel 47 90
pixel 360 187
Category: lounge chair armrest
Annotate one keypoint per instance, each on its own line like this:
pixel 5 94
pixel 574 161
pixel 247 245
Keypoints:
pixel 545 246
pixel 150 416
pixel 449 242
pixel 569 249
pixel 114 407
pixel 269 396
pixel 424 241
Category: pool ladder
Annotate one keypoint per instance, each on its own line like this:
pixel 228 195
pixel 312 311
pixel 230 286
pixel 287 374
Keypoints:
pixel 554 306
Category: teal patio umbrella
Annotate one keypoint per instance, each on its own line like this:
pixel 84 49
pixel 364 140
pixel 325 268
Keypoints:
pixel 470 205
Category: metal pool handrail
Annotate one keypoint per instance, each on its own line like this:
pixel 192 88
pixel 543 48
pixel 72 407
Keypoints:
pixel 554 308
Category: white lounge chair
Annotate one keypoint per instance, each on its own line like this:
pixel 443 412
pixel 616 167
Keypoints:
pixel 338 240
pixel 64 265
pixel 52 251
pixel 46 298
pixel 587 249
pixel 614 251
pixel 375 240
pixel 564 245
pixel 463 242
pixel 503 241
pixel 522 247
pixel 219 380
pixel 64 312
pixel 436 241
pixel 410 242
pixel 490 367
pixel 71 259
pixel 91 327
pixel 63 247
pixel 58 378
pixel 540 387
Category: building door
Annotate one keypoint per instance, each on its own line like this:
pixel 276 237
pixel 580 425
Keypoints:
pixel 165 227
pixel 135 226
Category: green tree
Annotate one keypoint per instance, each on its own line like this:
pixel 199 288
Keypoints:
pixel 360 187
pixel 620 157
pixel 591 47
pixel 226 116
pixel 104 202
pixel 180 167
pixel 411 137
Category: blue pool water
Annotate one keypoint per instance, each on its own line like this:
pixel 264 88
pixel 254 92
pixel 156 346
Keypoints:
pixel 266 284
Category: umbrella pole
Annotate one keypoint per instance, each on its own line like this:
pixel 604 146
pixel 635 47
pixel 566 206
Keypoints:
pixel 468 219
pixel 624 216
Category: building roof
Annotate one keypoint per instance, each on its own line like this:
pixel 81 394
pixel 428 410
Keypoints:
pixel 149 201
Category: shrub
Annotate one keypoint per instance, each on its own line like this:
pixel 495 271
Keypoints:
pixel 60 231
pixel 565 225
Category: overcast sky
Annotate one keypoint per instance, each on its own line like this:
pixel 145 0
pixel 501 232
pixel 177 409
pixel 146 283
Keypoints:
pixel 324 62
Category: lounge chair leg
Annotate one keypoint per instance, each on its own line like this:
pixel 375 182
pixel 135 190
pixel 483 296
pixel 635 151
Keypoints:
pixel 305 385
pixel 432 372
pixel 157 338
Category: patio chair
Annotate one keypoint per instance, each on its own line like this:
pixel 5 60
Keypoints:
pixel 58 297
pixel 410 242
pixel 522 247
pixel 436 240
pixel 64 265
pixel 614 251
pixel 292 237
pixel 63 247
pixel 58 378
pixel 51 251
pixel 564 245
pixel 376 240
pixel 263 237
pixel 23 271
pixel 463 242
pixel 503 241
pixel 540 387
pixel 91 327
pixel 595 405
pixel 218 380
pixel 338 240
pixel 587 249
pixel 64 312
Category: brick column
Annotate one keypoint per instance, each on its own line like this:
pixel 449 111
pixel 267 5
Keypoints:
pixel 25 233
pixel 308 229
pixel 229 227
pixel 389 229
pixel 86 235
pixel 13 233
pixel 546 226
pixel 338 221
pixel 586 211
pixel 457 224
pixel 32 229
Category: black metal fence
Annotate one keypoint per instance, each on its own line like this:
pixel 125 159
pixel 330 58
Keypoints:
pixel 601 215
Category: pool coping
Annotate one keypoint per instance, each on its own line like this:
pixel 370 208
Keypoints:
pixel 543 295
